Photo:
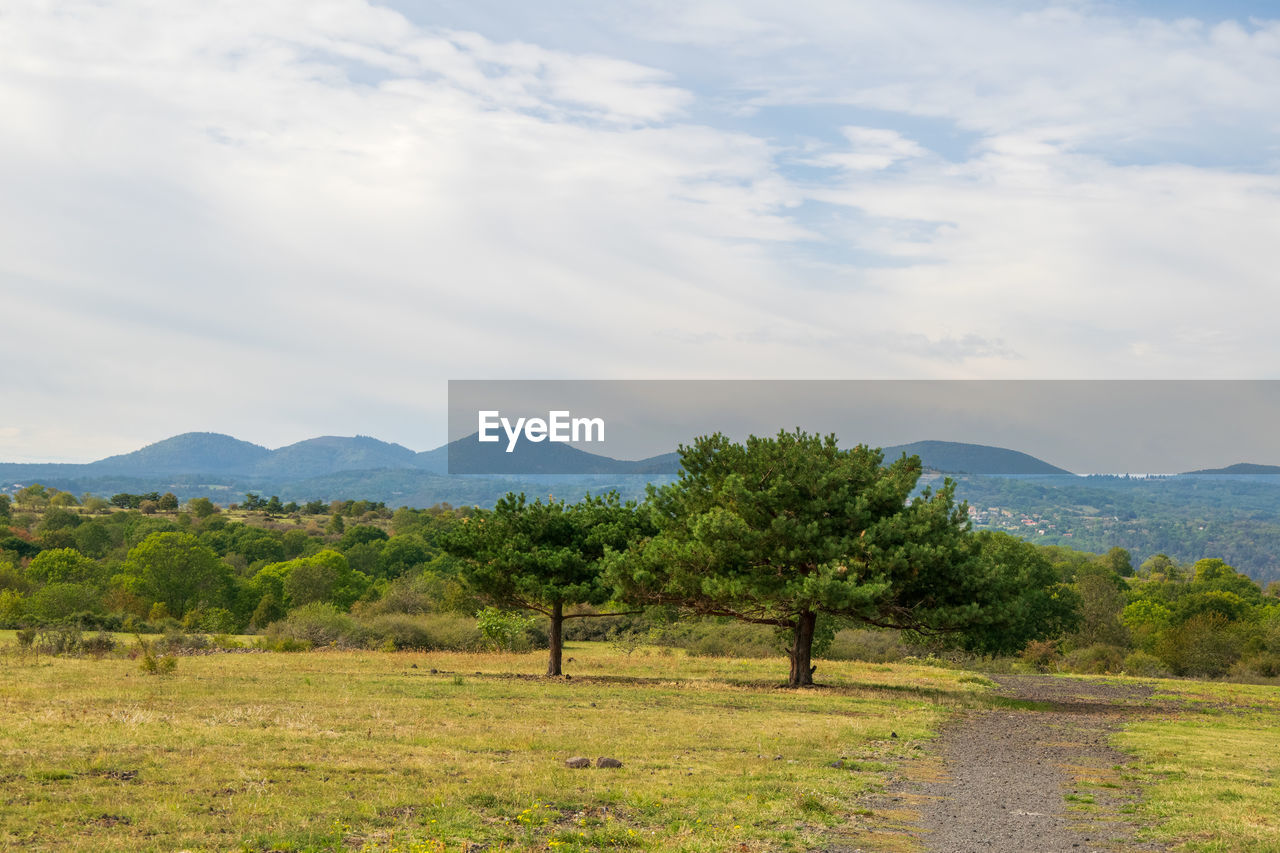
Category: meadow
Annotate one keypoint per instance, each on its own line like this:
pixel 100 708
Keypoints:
pixel 436 752
pixel 377 751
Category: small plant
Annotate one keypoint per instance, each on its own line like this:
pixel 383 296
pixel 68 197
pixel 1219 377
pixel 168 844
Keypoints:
pixel 99 645
pixel 538 814
pixel 626 641
pixel 152 665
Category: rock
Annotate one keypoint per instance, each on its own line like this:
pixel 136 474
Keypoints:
pixel 578 761
pixel 602 761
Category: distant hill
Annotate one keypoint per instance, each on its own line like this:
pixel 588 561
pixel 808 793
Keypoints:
pixel 466 455
pixel 1240 469
pixel 191 452
pixel 953 457
pixel 330 454
pixel 206 464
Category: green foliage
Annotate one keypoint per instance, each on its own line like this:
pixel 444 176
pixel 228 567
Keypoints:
pixel 180 571
pixel 317 623
pixel 1098 659
pixel 12 608
pixel 62 565
pixel 57 602
pixel 504 630
pixel 361 534
pixel 268 610
pixel 423 632
pixel 324 576
pixel 1145 665
pixel 542 556
pixel 1204 646
pixel 875 645
pixel 202 507
pixel 150 663
pixel 782 529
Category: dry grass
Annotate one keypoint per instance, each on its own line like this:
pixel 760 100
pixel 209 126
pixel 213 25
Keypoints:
pixel 363 750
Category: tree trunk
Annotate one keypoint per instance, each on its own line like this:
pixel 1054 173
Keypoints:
pixel 802 651
pixel 557 638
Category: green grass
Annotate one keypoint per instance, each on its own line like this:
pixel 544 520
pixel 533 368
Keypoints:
pixel 335 751
pixel 1209 769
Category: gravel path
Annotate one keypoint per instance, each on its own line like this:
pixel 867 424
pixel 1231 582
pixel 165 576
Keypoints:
pixel 1046 781
pixel 1017 781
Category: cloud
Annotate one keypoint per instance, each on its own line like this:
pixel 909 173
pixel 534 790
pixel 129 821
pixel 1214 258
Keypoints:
pixel 287 219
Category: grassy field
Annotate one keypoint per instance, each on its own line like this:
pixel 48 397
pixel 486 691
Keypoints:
pixel 331 751
pixel 1209 768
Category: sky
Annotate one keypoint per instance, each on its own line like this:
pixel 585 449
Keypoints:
pixel 297 218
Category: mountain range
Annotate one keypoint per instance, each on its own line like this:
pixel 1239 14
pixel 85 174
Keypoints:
pixel 332 467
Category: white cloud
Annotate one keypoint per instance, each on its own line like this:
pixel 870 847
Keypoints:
pixel 287 219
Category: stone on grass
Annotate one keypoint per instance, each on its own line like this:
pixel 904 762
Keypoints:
pixel 578 761
pixel 602 761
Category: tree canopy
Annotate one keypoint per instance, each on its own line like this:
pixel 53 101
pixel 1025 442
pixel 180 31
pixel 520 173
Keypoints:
pixel 779 530
pixel 541 556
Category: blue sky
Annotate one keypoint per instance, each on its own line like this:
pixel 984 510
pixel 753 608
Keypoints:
pixel 300 218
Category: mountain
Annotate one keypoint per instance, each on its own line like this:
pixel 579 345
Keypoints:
pixel 330 454
pixel 1240 469
pixel 468 456
pixel 191 452
pixel 204 464
pixel 953 457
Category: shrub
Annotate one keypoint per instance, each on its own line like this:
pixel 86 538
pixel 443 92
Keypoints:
pixel 868 645
pixel 1098 659
pixel 59 640
pixel 317 623
pixel 176 641
pixel 1204 645
pixel 425 632
pixel 505 629
pixel 1145 664
pixel 1042 654
pixel 99 644
pixel 1264 665
pixel 731 639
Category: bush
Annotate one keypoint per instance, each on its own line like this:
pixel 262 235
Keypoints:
pixel 712 638
pixel 99 644
pixel 603 628
pixel 1043 655
pixel 176 641
pixel 1144 664
pixel 1264 665
pixel 425 632
pixel 1205 645
pixel 505 630
pixel 60 640
pixel 317 623
pixel 1098 659
pixel 868 645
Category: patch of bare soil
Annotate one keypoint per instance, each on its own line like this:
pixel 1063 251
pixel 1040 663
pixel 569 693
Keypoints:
pixel 1020 781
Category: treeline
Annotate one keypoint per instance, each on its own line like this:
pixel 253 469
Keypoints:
pixel 1165 618
pixel 91 562
pixel 785 544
